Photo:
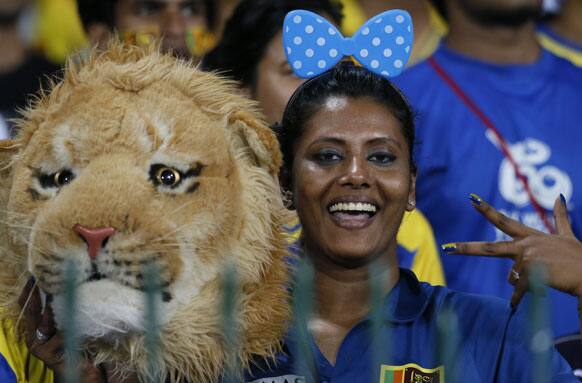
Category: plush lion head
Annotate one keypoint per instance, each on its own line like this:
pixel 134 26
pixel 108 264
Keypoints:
pixel 138 159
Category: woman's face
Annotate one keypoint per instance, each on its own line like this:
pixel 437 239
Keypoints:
pixel 352 181
pixel 275 81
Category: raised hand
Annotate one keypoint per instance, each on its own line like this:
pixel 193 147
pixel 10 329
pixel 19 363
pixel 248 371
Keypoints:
pixel 560 254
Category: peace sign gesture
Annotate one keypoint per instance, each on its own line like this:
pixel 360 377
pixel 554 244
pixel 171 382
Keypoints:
pixel 560 254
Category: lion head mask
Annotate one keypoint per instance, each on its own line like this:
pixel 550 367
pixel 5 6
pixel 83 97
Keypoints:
pixel 136 158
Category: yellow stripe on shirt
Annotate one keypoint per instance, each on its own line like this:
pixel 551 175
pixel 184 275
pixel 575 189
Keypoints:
pixel 559 49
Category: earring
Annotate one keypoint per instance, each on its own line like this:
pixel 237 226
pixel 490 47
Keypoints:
pixel 411 204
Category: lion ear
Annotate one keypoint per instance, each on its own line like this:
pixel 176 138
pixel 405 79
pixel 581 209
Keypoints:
pixel 259 138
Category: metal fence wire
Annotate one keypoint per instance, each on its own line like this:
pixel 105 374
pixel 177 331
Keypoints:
pixel 446 347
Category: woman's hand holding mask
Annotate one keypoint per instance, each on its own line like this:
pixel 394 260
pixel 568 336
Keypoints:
pixel 46 343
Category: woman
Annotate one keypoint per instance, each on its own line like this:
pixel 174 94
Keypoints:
pixel 251 52
pixel 347 138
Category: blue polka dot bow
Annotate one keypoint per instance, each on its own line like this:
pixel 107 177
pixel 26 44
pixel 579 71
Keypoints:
pixel 313 45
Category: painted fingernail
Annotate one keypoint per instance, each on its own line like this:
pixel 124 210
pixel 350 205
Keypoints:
pixel 449 247
pixel 563 199
pixel 474 198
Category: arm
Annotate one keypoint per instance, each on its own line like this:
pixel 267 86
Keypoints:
pixel 524 358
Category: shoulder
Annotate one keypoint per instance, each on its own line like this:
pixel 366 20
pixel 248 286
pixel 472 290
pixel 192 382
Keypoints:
pixel 490 312
pixel 496 335
pixel 559 46
pixel 525 347
pixel 564 70
pixel 429 302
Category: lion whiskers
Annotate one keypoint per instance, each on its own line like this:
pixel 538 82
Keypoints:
pixel 26 303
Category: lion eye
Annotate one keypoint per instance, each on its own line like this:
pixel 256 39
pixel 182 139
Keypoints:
pixel 162 175
pixel 168 177
pixel 63 177
pixel 56 180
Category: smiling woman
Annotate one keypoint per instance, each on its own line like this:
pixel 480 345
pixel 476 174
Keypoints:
pixel 347 137
pixel 251 52
pixel 350 146
pixel 351 160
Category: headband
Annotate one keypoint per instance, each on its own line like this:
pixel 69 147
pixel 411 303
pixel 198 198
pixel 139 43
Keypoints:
pixel 313 45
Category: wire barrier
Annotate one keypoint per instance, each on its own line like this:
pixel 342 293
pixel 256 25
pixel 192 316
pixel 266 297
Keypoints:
pixel 447 347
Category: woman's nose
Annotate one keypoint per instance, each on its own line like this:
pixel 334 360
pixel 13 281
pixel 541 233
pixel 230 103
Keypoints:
pixel 355 174
pixel 173 24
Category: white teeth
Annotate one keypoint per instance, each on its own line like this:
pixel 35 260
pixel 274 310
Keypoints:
pixel 352 206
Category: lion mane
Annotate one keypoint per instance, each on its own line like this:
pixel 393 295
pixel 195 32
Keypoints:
pixel 184 170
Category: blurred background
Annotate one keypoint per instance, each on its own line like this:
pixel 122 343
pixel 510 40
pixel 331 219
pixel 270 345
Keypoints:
pixel 37 36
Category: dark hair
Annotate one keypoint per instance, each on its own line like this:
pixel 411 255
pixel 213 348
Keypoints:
pixel 250 29
pixel 346 80
pixel 103 11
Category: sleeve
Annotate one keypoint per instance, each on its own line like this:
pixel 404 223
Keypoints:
pixel 559 49
pixel 10 357
pixel 17 364
pixel 517 362
pixel 6 372
pixel 416 235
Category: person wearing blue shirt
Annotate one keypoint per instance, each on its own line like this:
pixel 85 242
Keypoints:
pixel 491 98
pixel 347 137
pixel 493 346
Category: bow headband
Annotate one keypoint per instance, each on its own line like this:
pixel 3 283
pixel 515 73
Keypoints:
pixel 313 45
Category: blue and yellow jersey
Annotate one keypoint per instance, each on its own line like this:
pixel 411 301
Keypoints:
pixel 17 364
pixel 560 46
pixel 417 247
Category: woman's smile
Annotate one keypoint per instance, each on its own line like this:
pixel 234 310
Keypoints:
pixel 353 212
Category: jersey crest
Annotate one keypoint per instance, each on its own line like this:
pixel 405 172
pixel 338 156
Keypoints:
pixel 411 373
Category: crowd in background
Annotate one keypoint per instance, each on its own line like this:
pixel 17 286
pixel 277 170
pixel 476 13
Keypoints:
pixel 37 36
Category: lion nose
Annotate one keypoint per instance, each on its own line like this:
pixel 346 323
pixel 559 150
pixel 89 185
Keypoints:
pixel 95 238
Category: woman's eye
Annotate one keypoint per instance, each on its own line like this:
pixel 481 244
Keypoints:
pixel 56 180
pixel 382 158
pixel 191 9
pixel 328 156
pixel 146 8
pixel 168 177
